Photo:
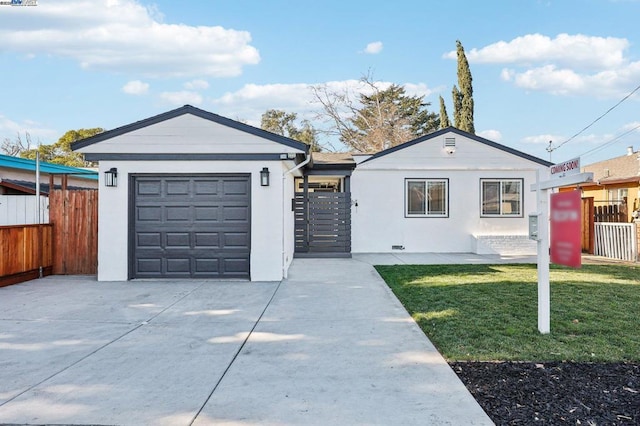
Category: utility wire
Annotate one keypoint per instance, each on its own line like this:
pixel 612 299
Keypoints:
pixel 596 120
pixel 609 142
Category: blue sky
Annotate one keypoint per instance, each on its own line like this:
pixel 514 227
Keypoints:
pixel 542 70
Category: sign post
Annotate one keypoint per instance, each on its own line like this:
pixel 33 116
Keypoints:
pixel 562 174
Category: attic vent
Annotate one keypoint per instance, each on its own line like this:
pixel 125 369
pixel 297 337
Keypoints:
pixel 449 142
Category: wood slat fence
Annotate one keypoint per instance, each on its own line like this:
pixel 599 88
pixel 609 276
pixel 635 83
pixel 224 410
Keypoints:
pixel 26 252
pixel 616 241
pixel 74 215
pixel 609 213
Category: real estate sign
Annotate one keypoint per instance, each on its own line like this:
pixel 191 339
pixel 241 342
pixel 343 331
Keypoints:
pixel 566 228
pixel 568 168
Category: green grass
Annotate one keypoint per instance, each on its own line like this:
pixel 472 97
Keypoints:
pixel 489 312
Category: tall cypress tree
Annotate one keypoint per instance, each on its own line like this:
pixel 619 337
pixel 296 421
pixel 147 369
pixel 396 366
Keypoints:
pixel 457 107
pixel 444 117
pixel 466 91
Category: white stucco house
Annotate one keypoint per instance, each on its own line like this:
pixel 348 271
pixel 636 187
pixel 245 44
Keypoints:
pixel 200 195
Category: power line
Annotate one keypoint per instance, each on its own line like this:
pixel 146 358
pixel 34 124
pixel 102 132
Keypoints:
pixel 598 148
pixel 596 120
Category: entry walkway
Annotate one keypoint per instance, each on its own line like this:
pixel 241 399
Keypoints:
pixel 330 345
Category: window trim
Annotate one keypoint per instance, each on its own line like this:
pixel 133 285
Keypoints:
pixel 502 215
pixel 426 214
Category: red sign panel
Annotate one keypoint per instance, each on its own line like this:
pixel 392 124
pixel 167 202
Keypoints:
pixel 566 229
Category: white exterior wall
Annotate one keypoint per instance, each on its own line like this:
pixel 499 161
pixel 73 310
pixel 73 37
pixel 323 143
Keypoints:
pixel 266 215
pixel 288 190
pixel 378 188
pixel 187 134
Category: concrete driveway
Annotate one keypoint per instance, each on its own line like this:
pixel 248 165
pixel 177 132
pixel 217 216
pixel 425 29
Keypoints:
pixel 330 345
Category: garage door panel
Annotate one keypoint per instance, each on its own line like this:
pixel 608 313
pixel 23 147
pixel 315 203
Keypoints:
pixel 236 187
pixel 207 266
pixel 181 213
pixel 152 266
pixel 236 239
pixel 195 226
pixel 149 214
pixel 178 240
pixel 178 187
pixel 207 239
pixel 148 187
pixel 206 187
pixel 181 265
pixel 235 213
pixel 207 213
pixel 235 265
pixel 149 239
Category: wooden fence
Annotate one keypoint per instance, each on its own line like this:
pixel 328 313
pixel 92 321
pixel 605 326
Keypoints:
pixel 74 215
pixel 616 241
pixel 609 213
pixel 25 252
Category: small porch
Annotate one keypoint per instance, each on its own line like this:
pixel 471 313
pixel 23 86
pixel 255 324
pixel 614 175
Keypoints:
pixel 322 207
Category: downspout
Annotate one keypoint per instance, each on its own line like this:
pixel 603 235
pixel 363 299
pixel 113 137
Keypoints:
pixel 298 167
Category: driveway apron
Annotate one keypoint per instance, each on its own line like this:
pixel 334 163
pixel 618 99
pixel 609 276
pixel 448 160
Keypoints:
pixel 331 345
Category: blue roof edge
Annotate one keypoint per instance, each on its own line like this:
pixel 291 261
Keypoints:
pixel 18 163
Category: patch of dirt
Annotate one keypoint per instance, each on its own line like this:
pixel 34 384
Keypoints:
pixel 551 393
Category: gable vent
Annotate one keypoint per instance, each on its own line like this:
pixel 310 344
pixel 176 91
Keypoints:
pixel 449 142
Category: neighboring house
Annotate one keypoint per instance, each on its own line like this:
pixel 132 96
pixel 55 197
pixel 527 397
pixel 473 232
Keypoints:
pixel 18 187
pixel 202 196
pixel 616 183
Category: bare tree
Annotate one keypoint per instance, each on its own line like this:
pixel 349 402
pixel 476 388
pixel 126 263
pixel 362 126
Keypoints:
pixel 16 147
pixel 377 117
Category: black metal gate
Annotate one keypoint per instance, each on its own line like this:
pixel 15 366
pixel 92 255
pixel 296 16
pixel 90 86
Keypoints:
pixel 322 224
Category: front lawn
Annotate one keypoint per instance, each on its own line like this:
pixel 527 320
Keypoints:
pixel 489 312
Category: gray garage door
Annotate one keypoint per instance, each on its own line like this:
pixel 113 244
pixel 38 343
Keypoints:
pixel 195 226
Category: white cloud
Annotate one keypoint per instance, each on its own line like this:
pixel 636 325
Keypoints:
pixel 549 78
pixel 579 51
pixel 125 36
pixel 181 98
pixel 11 129
pixel 543 139
pixel 492 135
pixel 374 48
pixel 565 65
pixel 252 100
pixel 196 85
pixel 136 87
pixel 634 125
pixel 419 89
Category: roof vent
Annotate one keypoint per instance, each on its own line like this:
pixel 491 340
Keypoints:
pixel 629 150
pixel 450 145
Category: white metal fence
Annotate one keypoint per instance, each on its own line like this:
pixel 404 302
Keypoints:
pixel 21 210
pixel 616 240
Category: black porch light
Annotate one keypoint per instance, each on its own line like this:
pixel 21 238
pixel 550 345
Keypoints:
pixel 264 177
pixel 111 177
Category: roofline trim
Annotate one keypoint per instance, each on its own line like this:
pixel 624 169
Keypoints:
pixel 476 138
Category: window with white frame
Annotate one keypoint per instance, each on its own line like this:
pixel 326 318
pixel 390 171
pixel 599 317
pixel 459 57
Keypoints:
pixel 501 197
pixel 426 198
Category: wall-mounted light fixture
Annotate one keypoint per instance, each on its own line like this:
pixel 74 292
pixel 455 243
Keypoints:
pixel 111 177
pixel 264 177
